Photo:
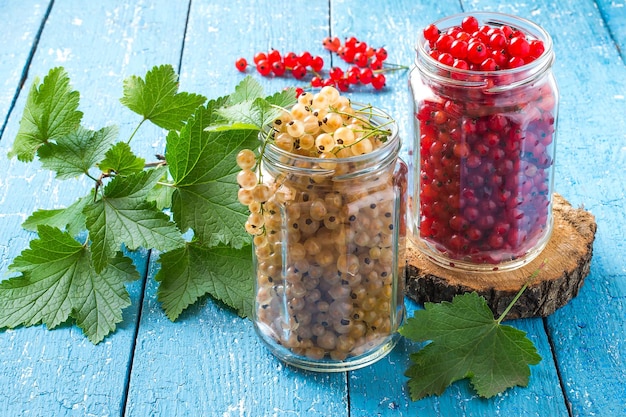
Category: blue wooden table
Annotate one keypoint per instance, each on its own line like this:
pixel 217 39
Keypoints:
pixel 210 362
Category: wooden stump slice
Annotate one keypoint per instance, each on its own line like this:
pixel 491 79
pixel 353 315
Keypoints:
pixel 568 255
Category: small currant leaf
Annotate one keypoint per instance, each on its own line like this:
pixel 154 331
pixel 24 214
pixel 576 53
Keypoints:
pixel 70 219
pixel 121 160
pixel 466 342
pixel 51 112
pixel 57 282
pixel 157 98
pixel 190 272
pixel 202 166
pixel 77 152
pixel 122 216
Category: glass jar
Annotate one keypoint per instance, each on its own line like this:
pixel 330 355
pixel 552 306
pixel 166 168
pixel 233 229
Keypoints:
pixel 484 146
pixel 330 267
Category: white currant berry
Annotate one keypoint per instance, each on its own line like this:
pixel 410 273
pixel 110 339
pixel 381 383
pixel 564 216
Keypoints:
pixel 332 122
pixel 300 111
pixel 261 193
pixel 344 136
pixel 295 128
pixel 244 195
pixel 331 92
pixel 246 179
pixel 284 141
pixel 325 142
pixel 246 159
pixel 362 147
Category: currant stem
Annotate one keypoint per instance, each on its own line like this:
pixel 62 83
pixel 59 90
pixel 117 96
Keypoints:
pixel 135 131
pixel 529 281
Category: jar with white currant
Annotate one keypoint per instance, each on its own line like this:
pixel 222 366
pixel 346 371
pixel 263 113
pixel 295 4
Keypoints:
pixel 329 234
pixel 485 114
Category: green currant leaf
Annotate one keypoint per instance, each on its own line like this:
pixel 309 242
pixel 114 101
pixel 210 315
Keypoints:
pixel 71 219
pixel 57 282
pixel 466 342
pixel 190 272
pixel 248 89
pixel 51 112
pixel 202 165
pixel 122 216
pixel 157 98
pixel 121 160
pixel 77 152
pixel 161 194
pixel 248 106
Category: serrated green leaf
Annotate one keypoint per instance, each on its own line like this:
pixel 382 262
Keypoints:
pixel 202 166
pixel 188 273
pixel 77 152
pixel 248 106
pixel 57 282
pixel 71 219
pixel 248 89
pixel 122 216
pixel 51 112
pixel 121 160
pixel 161 196
pixel 157 98
pixel 466 342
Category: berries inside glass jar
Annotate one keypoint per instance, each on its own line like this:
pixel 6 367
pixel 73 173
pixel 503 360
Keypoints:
pixel 326 233
pixel 486 143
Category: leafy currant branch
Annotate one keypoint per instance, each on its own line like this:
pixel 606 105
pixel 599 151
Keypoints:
pixel 75 267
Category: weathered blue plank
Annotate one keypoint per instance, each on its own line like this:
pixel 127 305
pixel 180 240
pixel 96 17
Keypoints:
pixel 214 362
pixel 614 14
pixel 381 389
pixel 589 334
pixel 21 22
pixel 60 372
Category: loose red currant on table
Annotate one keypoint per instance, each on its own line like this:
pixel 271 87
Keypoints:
pixel 241 64
pixel 484 173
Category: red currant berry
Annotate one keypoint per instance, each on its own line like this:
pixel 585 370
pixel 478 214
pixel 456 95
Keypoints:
pixel 444 42
pixel 259 56
pixel 241 64
pixel 263 67
pixel 351 42
pixel 360 59
pixel 274 56
pixel 316 82
pixel 446 59
pixel 360 47
pixel 353 75
pixel 489 64
pixel 298 72
pixel 290 59
pixel 476 52
pixel 518 47
pixel 381 54
pixel 317 63
pixel 278 68
pixel 376 63
pixel 336 73
pixel 469 24
pixel 366 75
pixel 378 82
pixel 431 33
pixel 497 40
pixel 299 91
pixel 305 58
pixel 458 49
pixel 347 54
pixel 331 43
pixel 536 48
pixel 515 62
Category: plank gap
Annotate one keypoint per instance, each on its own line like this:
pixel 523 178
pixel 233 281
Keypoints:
pixel 133 346
pixel 182 45
pixel 609 29
pixel 24 75
pixel 568 404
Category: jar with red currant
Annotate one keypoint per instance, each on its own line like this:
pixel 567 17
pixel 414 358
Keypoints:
pixel 485 113
pixel 329 234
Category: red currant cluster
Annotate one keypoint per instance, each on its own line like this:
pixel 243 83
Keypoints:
pixel 273 62
pixel 367 64
pixel 481 48
pixel 366 69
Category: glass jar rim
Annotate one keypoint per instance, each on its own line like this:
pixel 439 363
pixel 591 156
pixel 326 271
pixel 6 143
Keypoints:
pixel 538 66
pixel 379 156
